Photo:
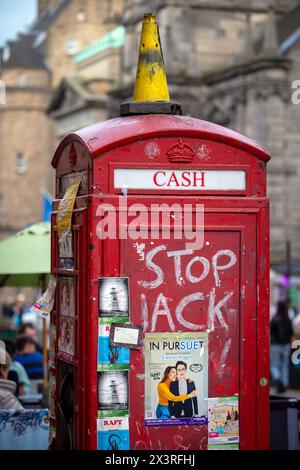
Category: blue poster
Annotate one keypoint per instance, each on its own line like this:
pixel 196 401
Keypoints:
pixel 108 354
pixel 113 434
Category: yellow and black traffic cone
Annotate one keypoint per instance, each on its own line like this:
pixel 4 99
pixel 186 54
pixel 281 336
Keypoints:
pixel 151 94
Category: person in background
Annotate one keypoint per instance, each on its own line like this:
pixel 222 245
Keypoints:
pixel 29 357
pixel 23 382
pixel 28 329
pixel 8 401
pixel 281 334
pixel 291 311
pixel 17 309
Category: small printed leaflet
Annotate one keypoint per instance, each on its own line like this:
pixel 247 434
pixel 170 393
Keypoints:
pixel 113 433
pixel 176 371
pixel 113 297
pixel 45 303
pixel 110 356
pixel 223 420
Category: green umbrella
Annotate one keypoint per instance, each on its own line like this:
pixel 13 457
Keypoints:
pixel 25 257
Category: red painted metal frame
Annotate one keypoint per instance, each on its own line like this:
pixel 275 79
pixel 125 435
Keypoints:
pixel 105 136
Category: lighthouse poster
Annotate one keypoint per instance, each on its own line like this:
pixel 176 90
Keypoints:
pixel 176 371
pixel 113 393
pixel 113 297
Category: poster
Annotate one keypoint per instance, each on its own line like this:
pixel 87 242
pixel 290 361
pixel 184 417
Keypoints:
pixel 66 346
pixel 71 178
pixel 66 296
pixel 113 297
pixel 176 364
pixel 113 390
pixel 113 433
pixel 66 254
pixel 110 356
pixel 223 420
pixel 52 344
pixel 52 395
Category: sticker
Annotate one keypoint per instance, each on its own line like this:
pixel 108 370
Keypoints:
pixel 113 390
pixel 176 373
pixel 66 338
pixel 52 345
pixel 113 433
pixel 108 355
pixel 223 420
pixel 111 320
pixel 65 209
pixel 113 297
pixel 66 296
pixel 126 335
pixel 45 303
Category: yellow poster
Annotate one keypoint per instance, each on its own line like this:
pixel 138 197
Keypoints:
pixel 65 209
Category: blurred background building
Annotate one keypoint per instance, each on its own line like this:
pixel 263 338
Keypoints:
pixel 228 61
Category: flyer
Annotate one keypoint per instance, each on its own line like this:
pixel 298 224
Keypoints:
pixel 45 303
pixel 176 365
pixel 113 433
pixel 66 295
pixel 223 420
pixel 66 253
pixel 110 357
pixel 52 394
pixel 113 390
pixel 65 209
pixel 66 346
pixel 52 344
pixel 113 297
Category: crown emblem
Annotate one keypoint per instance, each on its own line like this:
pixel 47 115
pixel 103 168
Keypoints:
pixel 180 153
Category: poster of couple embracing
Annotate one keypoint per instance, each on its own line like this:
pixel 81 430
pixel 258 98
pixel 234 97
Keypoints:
pixel 176 373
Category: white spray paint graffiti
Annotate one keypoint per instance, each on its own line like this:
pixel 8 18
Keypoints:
pixel 181 306
pixel 162 312
pixel 140 249
pixel 153 267
pixel 224 355
pixel 177 263
pixel 161 308
pixel 217 267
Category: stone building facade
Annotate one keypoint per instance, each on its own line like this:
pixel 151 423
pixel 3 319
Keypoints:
pixel 32 68
pixel 227 61
pixel 234 63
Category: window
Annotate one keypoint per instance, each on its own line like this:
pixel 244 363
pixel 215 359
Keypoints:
pixel 71 47
pixel 81 16
pixel 21 163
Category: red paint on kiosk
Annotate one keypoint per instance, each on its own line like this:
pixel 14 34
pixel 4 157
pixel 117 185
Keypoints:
pixel 222 288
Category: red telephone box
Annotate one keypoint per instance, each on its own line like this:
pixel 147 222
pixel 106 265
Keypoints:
pixel 128 168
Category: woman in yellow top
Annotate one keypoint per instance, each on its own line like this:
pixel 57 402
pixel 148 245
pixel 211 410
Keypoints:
pixel 164 394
